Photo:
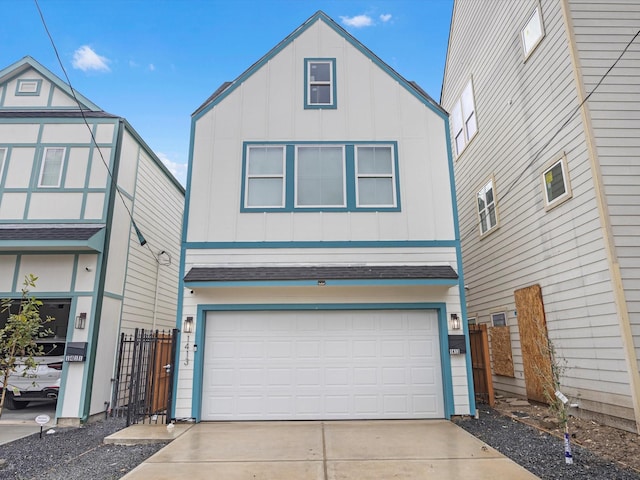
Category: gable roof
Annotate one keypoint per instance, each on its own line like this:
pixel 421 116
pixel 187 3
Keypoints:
pixel 12 71
pixel 227 87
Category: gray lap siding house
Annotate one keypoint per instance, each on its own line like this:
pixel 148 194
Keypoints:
pixel 554 135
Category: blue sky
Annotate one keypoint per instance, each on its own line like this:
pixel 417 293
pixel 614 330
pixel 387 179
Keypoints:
pixel 155 61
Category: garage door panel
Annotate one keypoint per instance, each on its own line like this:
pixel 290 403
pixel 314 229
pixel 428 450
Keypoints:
pixel 325 365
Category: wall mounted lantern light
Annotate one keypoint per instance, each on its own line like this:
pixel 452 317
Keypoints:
pixel 455 322
pixel 187 327
pixel 81 320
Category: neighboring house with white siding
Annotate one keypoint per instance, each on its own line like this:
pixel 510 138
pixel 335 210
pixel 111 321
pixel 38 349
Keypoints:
pixel 72 178
pixel 321 261
pixel 545 143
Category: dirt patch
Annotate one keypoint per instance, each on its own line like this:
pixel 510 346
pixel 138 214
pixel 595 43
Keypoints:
pixel 602 440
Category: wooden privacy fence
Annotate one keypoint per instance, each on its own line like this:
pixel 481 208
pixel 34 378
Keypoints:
pixel 481 364
pixel 144 376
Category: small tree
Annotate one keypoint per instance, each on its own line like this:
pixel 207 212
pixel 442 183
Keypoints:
pixel 18 336
pixel 557 401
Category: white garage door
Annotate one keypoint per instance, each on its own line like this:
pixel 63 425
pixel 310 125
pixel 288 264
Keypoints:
pixel 322 365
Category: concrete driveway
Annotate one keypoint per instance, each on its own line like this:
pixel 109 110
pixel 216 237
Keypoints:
pixel 429 449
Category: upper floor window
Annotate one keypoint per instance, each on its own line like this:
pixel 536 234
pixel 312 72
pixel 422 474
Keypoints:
pixel 555 180
pixel 320 176
pixel 51 171
pixel 3 154
pixel 265 176
pixel 375 176
pixel 463 119
pixel 532 32
pixel 320 83
pixel 331 176
pixel 487 207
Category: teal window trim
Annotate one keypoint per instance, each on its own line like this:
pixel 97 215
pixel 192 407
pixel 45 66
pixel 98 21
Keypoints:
pixel 20 84
pixel 443 336
pixel 62 170
pixel 333 103
pixel 3 160
pixel 351 203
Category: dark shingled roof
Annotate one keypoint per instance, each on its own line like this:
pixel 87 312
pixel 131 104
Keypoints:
pixel 49 233
pixel 395 272
pixel 53 114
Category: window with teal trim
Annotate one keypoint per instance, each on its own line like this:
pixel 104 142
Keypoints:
pixel 332 176
pixel 3 154
pixel 51 170
pixel 265 176
pixel 320 176
pixel 375 185
pixel 320 83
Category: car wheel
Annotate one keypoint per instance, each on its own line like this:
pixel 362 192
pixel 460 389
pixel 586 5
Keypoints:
pixel 12 404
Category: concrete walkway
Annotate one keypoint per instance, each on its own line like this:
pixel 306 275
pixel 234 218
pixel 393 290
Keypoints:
pixel 361 450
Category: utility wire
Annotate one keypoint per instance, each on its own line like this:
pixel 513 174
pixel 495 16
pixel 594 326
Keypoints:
pixel 141 238
pixel 553 137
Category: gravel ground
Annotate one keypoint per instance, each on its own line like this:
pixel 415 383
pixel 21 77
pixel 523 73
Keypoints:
pixel 541 453
pixel 79 454
pixel 72 454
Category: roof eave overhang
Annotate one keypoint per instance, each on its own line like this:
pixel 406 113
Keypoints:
pixel 377 282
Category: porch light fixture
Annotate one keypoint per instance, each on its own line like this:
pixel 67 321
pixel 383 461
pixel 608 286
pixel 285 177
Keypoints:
pixel 455 322
pixel 187 327
pixel 81 321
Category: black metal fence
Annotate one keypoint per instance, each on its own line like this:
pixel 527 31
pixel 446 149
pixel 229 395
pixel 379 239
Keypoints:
pixel 144 376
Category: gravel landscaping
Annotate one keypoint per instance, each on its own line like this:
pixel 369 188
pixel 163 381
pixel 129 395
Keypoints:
pixel 79 454
pixel 72 454
pixel 539 452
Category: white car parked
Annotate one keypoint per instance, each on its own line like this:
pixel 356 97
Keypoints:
pixel 41 384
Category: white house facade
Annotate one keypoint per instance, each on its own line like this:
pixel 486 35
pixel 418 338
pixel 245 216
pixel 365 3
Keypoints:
pixel 73 179
pixel 321 274
pixel 545 124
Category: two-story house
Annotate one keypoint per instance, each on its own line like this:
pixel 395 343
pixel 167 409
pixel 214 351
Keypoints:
pixel 545 121
pixel 321 260
pixel 75 185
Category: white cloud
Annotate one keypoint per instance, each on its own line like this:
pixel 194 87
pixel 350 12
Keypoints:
pixel 179 170
pixel 358 21
pixel 86 59
pixel 133 64
pixel 385 17
pixel 152 67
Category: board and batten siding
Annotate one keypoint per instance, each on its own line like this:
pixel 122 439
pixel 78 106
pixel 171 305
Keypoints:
pixel 601 32
pixel 521 106
pixel 268 106
pixel 158 208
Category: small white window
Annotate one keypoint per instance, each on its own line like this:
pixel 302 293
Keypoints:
pixel 487 213
pixel 51 171
pixel 555 181
pixel 320 176
pixel 499 319
pixel 375 179
pixel 265 176
pixel 3 154
pixel 463 119
pixel 320 88
pixel 532 32
pixel 472 320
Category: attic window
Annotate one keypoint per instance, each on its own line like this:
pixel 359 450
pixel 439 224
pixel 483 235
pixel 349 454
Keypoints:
pixel 320 85
pixel 28 87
